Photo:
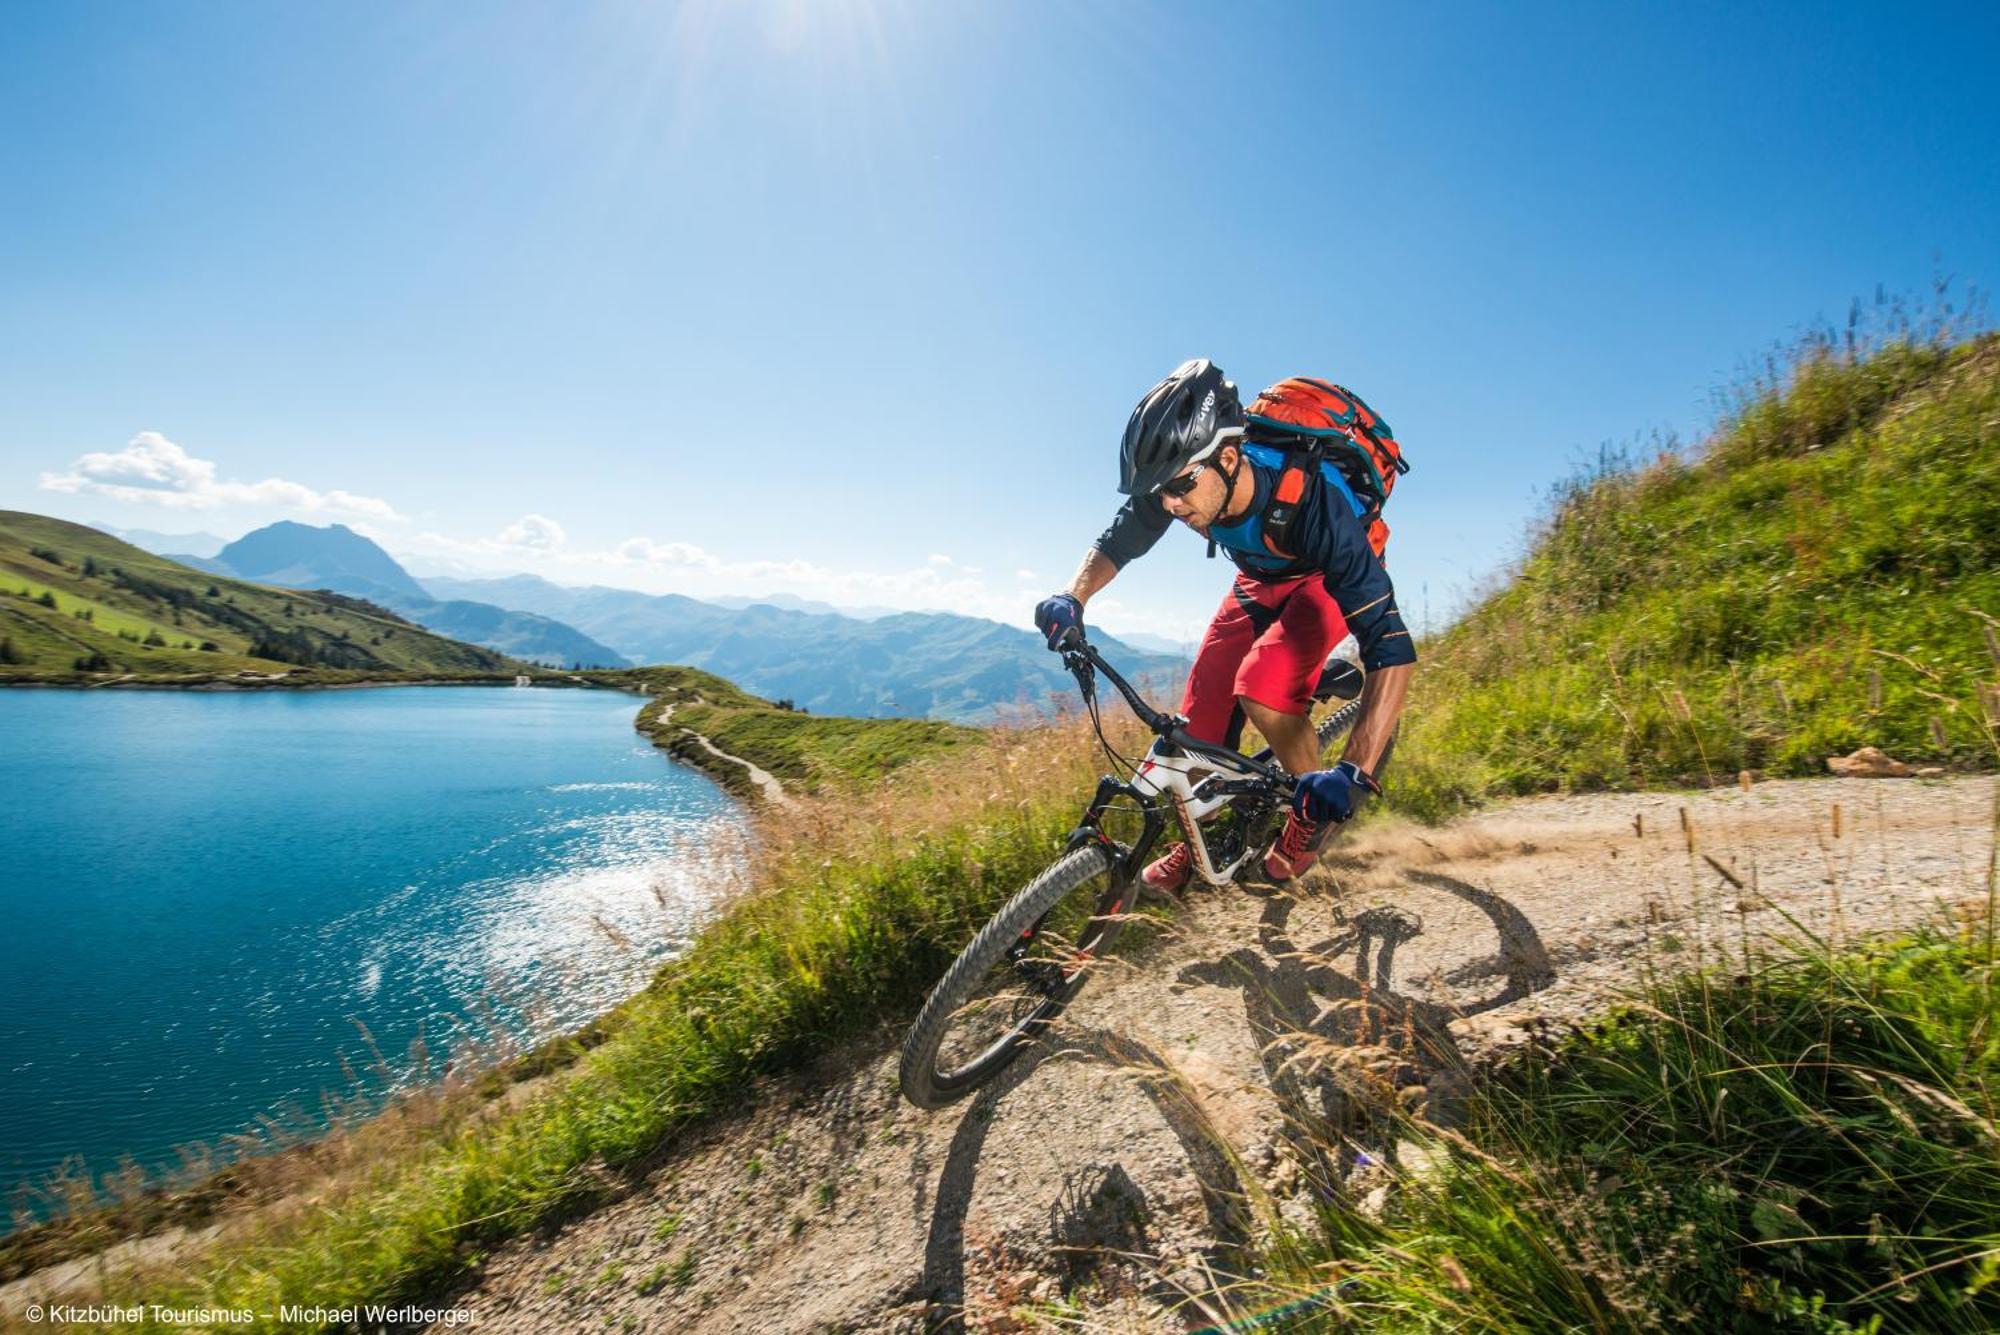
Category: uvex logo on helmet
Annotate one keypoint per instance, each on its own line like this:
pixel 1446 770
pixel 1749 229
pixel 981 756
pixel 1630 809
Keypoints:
pixel 1203 425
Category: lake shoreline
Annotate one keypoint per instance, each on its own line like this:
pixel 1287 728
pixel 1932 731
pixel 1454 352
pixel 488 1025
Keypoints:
pixel 171 1198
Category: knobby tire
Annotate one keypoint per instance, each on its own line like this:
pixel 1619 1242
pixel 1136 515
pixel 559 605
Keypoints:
pixel 1337 723
pixel 924 1084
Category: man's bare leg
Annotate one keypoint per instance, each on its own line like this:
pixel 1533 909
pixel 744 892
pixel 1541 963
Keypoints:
pixel 1290 735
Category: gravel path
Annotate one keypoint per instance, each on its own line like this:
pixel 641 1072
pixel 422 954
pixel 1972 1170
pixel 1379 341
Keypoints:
pixel 773 791
pixel 1113 1179
pixel 767 783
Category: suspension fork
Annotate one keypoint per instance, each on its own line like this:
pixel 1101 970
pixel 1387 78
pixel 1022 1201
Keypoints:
pixel 1125 862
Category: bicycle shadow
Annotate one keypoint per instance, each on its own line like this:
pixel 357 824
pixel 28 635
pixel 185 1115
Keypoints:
pixel 1323 1101
pixel 1099 1208
pixel 1341 1046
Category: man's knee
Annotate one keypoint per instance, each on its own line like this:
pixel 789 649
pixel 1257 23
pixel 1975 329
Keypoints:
pixel 1263 715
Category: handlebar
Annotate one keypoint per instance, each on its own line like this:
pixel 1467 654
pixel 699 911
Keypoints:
pixel 1081 658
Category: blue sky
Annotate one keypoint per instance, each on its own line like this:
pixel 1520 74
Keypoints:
pixel 851 299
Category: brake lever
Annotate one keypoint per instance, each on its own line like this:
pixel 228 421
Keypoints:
pixel 1086 676
pixel 1078 662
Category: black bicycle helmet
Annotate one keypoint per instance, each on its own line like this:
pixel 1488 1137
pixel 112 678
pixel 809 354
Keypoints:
pixel 1181 419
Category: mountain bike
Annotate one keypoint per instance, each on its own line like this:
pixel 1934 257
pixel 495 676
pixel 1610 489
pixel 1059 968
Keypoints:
pixel 1029 962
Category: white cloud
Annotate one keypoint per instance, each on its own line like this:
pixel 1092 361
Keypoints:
pixel 644 551
pixel 152 470
pixel 537 533
pixel 656 565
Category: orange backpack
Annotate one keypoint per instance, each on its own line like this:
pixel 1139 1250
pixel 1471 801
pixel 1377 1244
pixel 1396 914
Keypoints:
pixel 1317 421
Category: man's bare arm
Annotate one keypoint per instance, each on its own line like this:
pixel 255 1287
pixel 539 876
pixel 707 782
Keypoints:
pixel 1096 571
pixel 1381 706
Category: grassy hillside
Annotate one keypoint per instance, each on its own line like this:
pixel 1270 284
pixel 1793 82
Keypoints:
pixel 77 605
pixel 1807 1147
pixel 1812 581
pixel 1824 575
pixel 805 752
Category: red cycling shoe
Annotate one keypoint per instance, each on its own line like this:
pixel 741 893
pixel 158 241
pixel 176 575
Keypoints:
pixel 1296 849
pixel 1168 874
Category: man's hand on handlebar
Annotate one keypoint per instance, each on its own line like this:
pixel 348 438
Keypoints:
pixel 1059 617
pixel 1332 794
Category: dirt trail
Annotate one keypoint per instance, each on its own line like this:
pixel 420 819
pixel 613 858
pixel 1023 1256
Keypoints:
pixel 767 783
pixel 1110 1177
pixel 773 790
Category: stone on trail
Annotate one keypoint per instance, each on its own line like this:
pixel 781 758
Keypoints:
pixel 1868 763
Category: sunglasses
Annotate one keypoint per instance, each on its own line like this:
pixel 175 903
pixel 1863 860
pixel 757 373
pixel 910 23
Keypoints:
pixel 1180 484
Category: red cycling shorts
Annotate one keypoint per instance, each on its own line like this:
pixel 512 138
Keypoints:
pixel 1267 643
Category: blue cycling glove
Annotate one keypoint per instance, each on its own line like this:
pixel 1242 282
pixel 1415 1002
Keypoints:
pixel 1056 614
pixel 1332 794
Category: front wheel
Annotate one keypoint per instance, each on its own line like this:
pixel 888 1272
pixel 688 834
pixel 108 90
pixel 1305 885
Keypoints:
pixel 1015 978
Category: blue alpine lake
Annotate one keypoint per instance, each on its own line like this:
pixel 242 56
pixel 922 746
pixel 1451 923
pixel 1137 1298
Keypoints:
pixel 217 910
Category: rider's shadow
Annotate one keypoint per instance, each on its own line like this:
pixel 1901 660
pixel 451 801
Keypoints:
pixel 1099 1206
pixel 1339 1043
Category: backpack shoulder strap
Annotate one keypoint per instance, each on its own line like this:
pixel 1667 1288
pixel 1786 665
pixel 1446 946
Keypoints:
pixel 1283 510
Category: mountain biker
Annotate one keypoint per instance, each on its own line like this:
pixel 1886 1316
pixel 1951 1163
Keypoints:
pixel 1182 459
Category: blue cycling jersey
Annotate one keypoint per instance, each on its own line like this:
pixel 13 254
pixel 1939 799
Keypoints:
pixel 1328 536
pixel 1244 540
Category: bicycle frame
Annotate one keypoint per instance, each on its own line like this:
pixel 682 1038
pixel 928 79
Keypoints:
pixel 1182 774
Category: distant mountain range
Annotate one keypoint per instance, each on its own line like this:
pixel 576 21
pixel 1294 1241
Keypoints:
pixel 933 664
pixel 299 556
pixel 870 662
pixel 1159 644
pixel 167 544
pixel 794 603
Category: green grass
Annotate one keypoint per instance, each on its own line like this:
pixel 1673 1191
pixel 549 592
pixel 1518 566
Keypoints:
pixel 326 638
pixel 1820 577
pixel 102 615
pixel 1807 1147
pixel 804 752
pixel 809 751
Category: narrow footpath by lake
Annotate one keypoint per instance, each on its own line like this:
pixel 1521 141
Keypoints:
pixel 218 907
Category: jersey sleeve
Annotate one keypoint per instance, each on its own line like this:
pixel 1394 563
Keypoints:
pixel 1134 529
pixel 1335 543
